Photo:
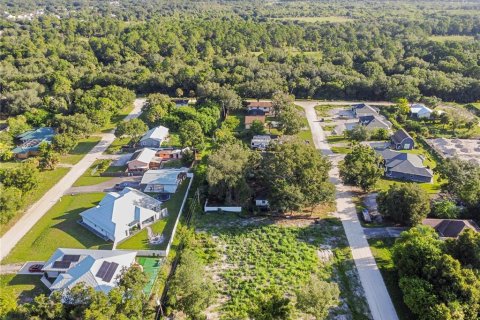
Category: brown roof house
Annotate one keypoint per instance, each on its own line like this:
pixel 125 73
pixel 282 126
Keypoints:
pixel 143 160
pixel 265 106
pixel 450 228
pixel 254 115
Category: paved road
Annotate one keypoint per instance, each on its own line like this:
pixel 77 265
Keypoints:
pixel 387 232
pixel 378 299
pixel 38 209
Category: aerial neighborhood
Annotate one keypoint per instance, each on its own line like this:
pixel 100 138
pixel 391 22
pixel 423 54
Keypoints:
pixel 260 160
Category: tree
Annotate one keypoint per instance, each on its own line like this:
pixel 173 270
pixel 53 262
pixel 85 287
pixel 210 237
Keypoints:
pixel 17 125
pixel 191 290
pixel 358 133
pixel 48 158
pixel 415 203
pixel 24 177
pixel 380 134
pixel 281 101
pixel 291 121
pixel 10 202
pixel 361 167
pixel 402 106
pixel 5 152
pixel 462 181
pixel 191 134
pixel 295 175
pixel 227 169
pixel 466 248
pixel 317 297
pixel 157 107
pixel 134 129
pixel 78 125
pixel 272 306
pixel 257 128
pixel 8 302
pixel 64 143
pixel 445 209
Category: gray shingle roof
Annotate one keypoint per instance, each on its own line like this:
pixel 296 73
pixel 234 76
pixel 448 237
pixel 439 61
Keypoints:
pixel 406 163
pixel 400 135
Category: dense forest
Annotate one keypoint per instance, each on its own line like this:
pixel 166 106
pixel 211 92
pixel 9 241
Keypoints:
pixel 52 59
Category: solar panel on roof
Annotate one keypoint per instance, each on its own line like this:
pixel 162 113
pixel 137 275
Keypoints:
pixel 71 257
pixel 111 271
pixel 103 269
pixel 61 264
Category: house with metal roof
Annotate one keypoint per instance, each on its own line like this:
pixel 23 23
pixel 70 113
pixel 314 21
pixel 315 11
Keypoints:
pixel 260 142
pixel 120 214
pixel 29 142
pixel 163 180
pixel 420 111
pixel 401 140
pixel 143 160
pixel 450 228
pixel 98 269
pixel 154 137
pixel 405 166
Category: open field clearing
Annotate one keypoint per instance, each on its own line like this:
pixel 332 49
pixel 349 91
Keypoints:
pixel 254 254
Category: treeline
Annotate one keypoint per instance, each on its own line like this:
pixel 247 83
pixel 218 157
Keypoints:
pixel 363 59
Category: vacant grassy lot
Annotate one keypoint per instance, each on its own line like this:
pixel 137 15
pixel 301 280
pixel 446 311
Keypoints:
pixel 83 147
pixel 47 179
pixel 382 251
pixel 329 19
pixel 139 241
pixel 457 38
pixel 326 110
pixel 58 228
pixel 117 145
pixel 257 253
pixel 23 287
pixel 92 177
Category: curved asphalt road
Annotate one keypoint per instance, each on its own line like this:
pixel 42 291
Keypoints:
pixel 38 209
pixel 378 299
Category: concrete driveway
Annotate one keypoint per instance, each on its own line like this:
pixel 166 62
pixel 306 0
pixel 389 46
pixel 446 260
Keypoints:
pixel 106 186
pixel 38 209
pixel 381 306
pixel 24 268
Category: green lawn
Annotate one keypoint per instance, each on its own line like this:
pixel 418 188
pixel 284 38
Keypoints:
pixel 342 150
pixel 47 180
pixel 306 135
pixel 175 163
pixel 337 139
pixel 382 251
pixel 91 177
pixel 83 147
pixel 117 118
pixel 117 144
pixel 23 287
pixel 139 241
pixel 58 228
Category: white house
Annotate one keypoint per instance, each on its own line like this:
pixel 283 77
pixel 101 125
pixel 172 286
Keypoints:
pixel 163 180
pixel 260 142
pixel 154 137
pixel 119 214
pixel 98 269
pixel 143 159
pixel 420 111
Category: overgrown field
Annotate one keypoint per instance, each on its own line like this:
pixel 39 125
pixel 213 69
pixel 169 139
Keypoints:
pixel 255 254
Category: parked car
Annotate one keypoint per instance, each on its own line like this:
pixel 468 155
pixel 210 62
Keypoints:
pixel 35 268
pixel 366 215
pixel 125 184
